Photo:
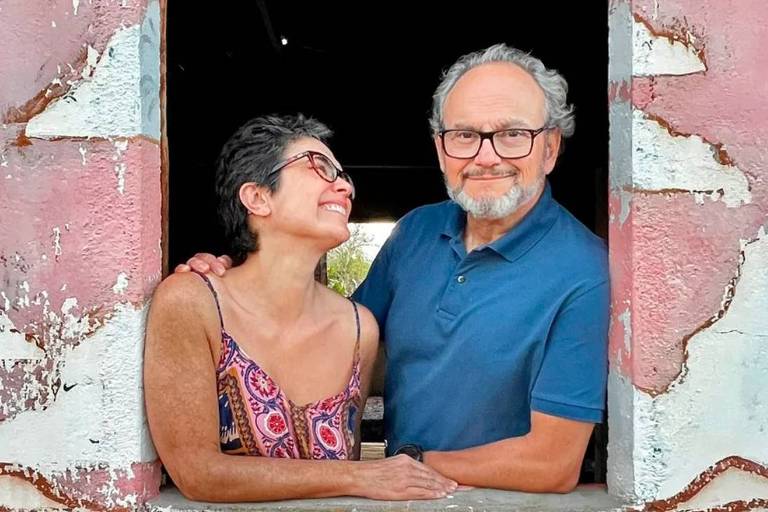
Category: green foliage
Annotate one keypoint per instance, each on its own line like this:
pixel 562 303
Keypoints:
pixel 347 264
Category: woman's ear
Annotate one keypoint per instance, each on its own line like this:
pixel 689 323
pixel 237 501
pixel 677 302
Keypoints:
pixel 256 199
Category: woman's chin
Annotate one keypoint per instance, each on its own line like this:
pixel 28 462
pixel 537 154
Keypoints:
pixel 343 236
pixel 337 237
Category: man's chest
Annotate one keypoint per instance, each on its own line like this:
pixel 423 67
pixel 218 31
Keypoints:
pixel 451 303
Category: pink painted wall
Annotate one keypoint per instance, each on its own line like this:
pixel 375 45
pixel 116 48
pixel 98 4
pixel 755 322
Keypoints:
pixel 689 209
pixel 80 251
pixel 725 106
pixel 80 203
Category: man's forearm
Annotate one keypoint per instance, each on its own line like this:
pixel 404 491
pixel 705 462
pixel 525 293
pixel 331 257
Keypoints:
pixel 531 463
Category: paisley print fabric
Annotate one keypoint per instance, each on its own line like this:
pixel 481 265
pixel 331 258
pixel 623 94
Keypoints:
pixel 257 418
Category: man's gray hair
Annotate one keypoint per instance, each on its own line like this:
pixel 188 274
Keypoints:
pixel 558 113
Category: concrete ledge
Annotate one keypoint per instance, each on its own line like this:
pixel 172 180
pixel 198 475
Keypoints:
pixel 589 498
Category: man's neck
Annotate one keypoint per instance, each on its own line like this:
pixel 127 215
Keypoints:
pixel 480 232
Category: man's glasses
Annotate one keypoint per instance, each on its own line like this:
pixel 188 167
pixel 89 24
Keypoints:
pixel 322 165
pixel 508 143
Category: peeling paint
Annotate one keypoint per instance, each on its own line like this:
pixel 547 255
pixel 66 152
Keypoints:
pixel 621 477
pixel 19 494
pixel 105 379
pixel 680 433
pixel 106 105
pixel 93 487
pixel 13 344
pixel 121 284
pixel 620 147
pixel 626 322
pixel 92 59
pixel 58 86
pixel 39 53
pixel 655 54
pixel 120 171
pixel 91 220
pixel 682 258
pixel 620 42
pixel 120 147
pixel 687 401
pixel 83 152
pixel 72 428
pixel 149 52
pixel 732 485
pixel 662 161
pixel 28 385
pixel 70 359
pixel 57 242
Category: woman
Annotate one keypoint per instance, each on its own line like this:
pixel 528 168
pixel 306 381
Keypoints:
pixel 286 361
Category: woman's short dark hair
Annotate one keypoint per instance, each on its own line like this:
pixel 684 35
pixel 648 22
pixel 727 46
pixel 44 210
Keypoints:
pixel 247 157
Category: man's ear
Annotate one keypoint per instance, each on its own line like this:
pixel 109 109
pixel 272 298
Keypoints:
pixel 440 152
pixel 551 148
pixel 256 199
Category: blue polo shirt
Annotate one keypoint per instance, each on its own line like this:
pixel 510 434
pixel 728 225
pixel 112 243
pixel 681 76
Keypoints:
pixel 476 341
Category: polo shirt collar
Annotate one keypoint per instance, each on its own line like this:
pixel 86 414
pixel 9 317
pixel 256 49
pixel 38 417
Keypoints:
pixel 520 238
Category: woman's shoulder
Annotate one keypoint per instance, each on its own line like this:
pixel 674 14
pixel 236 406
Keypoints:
pixel 183 294
pixel 343 305
pixel 345 308
pixel 368 325
pixel 180 287
pixel 182 317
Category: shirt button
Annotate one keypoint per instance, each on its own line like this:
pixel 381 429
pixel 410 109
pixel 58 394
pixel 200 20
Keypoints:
pixel 461 279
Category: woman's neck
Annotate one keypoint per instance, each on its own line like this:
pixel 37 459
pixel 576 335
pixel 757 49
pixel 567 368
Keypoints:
pixel 278 279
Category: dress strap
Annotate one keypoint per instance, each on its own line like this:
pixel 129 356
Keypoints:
pixel 357 320
pixel 216 299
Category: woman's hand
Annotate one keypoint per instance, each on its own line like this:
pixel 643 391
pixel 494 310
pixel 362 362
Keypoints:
pixel 400 478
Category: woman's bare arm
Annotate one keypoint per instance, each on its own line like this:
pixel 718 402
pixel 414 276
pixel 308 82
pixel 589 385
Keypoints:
pixel 369 348
pixel 182 407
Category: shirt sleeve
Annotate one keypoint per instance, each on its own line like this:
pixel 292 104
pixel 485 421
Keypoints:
pixel 572 379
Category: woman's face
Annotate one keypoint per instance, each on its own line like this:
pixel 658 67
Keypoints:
pixel 308 205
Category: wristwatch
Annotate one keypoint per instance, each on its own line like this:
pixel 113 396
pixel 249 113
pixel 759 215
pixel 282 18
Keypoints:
pixel 414 451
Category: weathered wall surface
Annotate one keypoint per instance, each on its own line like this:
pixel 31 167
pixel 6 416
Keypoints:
pixel 80 231
pixel 689 253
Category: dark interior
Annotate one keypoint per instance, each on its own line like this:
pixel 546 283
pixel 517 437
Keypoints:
pixel 368 70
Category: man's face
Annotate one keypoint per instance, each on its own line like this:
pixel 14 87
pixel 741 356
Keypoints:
pixel 487 98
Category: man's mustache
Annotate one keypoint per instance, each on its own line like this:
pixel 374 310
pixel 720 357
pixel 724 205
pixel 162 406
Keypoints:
pixel 494 173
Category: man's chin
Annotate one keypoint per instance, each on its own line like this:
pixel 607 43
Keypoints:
pixel 496 205
pixel 484 194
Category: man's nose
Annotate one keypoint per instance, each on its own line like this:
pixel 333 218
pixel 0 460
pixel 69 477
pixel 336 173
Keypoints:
pixel 487 156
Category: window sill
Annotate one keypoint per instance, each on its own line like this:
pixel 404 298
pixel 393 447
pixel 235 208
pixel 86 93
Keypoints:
pixel 587 498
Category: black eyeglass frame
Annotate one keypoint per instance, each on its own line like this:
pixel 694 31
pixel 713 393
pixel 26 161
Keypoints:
pixel 312 155
pixel 489 136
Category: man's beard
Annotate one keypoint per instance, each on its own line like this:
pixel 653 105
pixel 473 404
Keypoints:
pixel 494 207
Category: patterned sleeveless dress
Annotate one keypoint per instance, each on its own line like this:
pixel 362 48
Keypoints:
pixel 257 418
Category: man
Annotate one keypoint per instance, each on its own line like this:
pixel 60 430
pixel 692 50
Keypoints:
pixel 493 307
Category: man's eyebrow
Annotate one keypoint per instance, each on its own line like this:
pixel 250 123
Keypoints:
pixel 462 126
pixel 511 122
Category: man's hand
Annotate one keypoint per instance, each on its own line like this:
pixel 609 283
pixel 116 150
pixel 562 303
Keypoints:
pixel 205 262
